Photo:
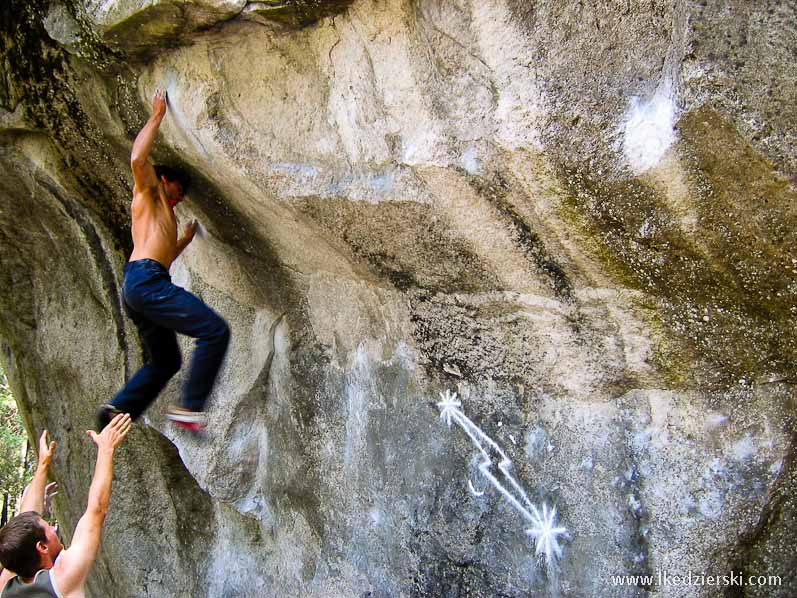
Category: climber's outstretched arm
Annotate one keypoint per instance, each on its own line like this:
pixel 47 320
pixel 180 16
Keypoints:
pixel 143 171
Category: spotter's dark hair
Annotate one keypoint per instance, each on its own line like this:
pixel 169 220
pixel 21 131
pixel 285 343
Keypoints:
pixel 18 540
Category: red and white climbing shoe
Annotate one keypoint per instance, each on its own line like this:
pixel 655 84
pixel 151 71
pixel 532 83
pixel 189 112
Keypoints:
pixel 192 421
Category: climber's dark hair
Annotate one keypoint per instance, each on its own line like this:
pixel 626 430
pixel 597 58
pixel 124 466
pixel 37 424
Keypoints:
pixel 18 540
pixel 173 174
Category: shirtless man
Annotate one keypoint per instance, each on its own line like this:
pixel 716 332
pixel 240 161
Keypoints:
pixel 36 562
pixel 157 307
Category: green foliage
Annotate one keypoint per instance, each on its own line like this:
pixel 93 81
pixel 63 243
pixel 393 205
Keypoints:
pixel 12 438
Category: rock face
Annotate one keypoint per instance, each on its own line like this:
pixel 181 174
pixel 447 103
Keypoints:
pixel 577 217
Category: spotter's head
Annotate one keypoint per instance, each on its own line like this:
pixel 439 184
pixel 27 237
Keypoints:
pixel 28 543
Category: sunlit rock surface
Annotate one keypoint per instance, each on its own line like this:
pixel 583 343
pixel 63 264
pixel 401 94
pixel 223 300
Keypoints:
pixel 578 217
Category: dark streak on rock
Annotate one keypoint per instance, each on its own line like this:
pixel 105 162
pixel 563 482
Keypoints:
pixel 495 189
pixel 104 266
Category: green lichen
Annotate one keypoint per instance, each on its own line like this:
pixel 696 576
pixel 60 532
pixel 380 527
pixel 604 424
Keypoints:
pixel 40 77
pixel 725 292
pixel 90 47
pixel 301 13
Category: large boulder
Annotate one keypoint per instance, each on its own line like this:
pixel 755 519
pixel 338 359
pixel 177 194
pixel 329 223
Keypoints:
pixel 511 288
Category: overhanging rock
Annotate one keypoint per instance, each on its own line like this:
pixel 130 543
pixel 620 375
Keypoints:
pixel 578 219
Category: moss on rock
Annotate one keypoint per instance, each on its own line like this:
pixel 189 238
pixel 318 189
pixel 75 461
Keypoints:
pixel 725 293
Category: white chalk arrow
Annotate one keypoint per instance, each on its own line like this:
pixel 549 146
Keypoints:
pixel 543 528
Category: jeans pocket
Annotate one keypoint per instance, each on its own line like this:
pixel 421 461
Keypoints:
pixel 141 288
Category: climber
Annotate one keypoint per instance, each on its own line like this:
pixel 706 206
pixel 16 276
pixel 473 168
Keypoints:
pixel 157 307
pixel 35 561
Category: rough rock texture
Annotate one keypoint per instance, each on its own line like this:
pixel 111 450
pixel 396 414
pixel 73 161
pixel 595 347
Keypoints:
pixel 578 216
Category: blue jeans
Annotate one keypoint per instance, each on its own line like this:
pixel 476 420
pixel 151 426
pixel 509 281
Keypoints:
pixel 159 308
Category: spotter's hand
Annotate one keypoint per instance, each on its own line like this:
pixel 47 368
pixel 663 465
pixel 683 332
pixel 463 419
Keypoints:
pixel 46 450
pixel 113 434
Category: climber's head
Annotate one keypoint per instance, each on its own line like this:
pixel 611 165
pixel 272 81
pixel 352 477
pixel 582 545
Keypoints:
pixel 28 543
pixel 175 183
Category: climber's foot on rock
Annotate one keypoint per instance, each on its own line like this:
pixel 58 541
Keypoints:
pixel 191 421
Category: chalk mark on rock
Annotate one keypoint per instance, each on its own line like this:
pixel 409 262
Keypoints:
pixel 495 467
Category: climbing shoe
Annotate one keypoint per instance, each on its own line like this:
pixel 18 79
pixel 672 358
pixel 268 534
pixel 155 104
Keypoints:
pixel 191 421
